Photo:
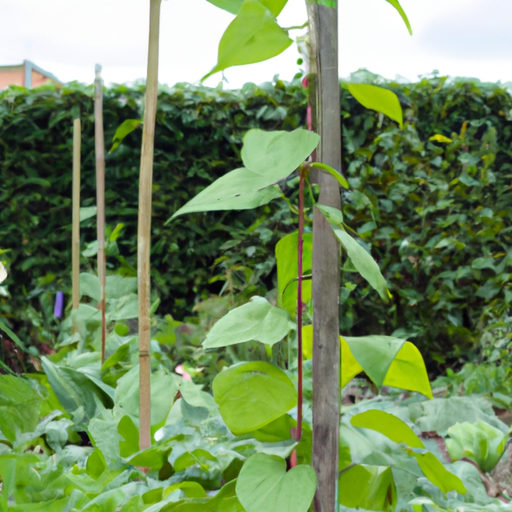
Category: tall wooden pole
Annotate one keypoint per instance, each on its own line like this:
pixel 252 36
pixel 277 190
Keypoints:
pixel 323 26
pixel 100 198
pixel 144 227
pixel 75 248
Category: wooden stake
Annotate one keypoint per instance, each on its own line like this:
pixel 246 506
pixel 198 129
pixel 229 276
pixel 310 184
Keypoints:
pixel 144 227
pixel 323 23
pixel 75 248
pixel 100 199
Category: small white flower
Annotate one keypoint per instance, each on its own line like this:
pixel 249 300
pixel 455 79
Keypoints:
pixel 3 273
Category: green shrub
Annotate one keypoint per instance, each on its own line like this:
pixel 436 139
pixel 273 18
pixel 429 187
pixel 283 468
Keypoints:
pixel 434 212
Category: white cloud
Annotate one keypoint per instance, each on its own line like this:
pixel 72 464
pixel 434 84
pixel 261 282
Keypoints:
pixel 68 37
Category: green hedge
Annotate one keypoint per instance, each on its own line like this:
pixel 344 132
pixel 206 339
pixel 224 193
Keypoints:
pixel 198 138
pixel 437 214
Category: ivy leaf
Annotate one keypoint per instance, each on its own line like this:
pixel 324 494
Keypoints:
pixel 379 99
pixel 253 36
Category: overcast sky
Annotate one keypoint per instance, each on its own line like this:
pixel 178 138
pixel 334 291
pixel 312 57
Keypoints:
pixel 68 37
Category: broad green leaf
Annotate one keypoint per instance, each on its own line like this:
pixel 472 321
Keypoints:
pixel 399 432
pixel 163 392
pixel 232 6
pixel 130 434
pixel 277 430
pixel 90 286
pixel 180 460
pixel 349 365
pixel 275 6
pixel 389 425
pixel 333 172
pixel 240 189
pixel 257 320
pixel 398 7
pixel 379 99
pixel 435 471
pixel 125 308
pixel 442 413
pixel 193 395
pixel 19 406
pixel 251 395
pixel 74 389
pixel 17 471
pixel 276 154
pixel 190 489
pixel 269 157
pixel 86 212
pixel 391 361
pixel 288 270
pixel 361 259
pixel 96 464
pixel 265 485
pixel 124 129
pixel 368 487
pixel 480 442
pixel 253 36
pixel 154 457
pixel 408 371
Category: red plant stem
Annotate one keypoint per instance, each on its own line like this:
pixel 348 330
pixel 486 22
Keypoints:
pixel 300 305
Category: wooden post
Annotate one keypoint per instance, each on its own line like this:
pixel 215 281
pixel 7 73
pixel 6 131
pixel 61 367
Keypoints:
pixel 75 248
pixel 323 26
pixel 100 199
pixel 144 227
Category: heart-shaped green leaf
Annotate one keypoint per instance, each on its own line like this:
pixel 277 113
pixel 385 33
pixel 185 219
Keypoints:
pixel 253 36
pixel 277 154
pixel 264 485
pixel 379 99
pixel 269 157
pixel 368 487
pixel 391 361
pixel 257 320
pixel 251 395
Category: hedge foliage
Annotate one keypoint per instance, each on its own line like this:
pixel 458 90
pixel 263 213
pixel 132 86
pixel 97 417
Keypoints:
pixel 432 202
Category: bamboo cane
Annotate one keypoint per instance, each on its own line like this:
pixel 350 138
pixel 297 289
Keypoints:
pixel 323 22
pixel 144 226
pixel 100 198
pixel 75 248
